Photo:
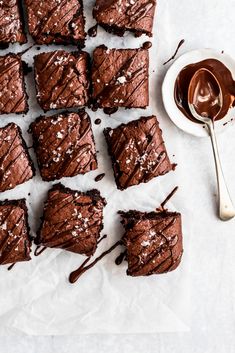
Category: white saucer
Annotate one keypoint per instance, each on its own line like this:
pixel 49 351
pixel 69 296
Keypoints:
pixel 168 85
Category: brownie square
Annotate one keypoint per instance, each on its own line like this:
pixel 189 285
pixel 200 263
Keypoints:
pixel 11 23
pixel 15 241
pixel 72 220
pixel 118 16
pixel 137 151
pixel 61 79
pixel 153 242
pixel 64 145
pixel 13 97
pixel 56 21
pixel 120 78
pixel 16 166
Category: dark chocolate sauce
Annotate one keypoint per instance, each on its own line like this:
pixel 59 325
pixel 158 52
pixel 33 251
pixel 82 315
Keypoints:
pixel 110 111
pixel 223 76
pixel 120 258
pixel 92 32
pixel 99 177
pixel 74 276
pixel 98 121
pixel 175 53
pixel 11 267
pixel 26 68
pixel 147 45
pixel 39 250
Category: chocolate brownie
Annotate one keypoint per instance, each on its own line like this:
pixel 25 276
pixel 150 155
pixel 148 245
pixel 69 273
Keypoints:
pixel 11 23
pixel 56 21
pixel 153 242
pixel 118 16
pixel 64 145
pixel 13 97
pixel 72 220
pixel 16 166
pixel 120 78
pixel 137 151
pixel 15 241
pixel 61 79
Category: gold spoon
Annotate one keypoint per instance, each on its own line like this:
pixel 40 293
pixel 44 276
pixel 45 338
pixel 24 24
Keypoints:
pixel 205 101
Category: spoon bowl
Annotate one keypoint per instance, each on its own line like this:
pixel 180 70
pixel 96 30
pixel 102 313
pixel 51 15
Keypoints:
pixel 205 97
pixel 205 101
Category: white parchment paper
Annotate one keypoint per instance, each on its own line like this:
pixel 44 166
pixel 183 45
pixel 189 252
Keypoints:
pixel 36 297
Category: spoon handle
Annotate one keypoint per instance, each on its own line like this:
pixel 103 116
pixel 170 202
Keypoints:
pixel 226 208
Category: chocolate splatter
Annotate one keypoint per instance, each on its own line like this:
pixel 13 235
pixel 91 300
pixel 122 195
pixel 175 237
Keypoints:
pixel 99 177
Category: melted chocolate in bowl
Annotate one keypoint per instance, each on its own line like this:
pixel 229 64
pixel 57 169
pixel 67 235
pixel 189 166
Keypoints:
pixel 205 85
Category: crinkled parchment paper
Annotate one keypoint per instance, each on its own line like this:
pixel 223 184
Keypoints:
pixel 36 297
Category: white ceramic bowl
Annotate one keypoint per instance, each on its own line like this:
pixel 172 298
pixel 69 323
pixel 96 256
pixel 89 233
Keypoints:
pixel 168 86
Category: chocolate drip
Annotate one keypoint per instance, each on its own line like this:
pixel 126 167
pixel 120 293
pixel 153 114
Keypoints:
pixel 120 258
pixel 110 111
pixel 10 267
pixel 92 32
pixel 97 121
pixel 167 199
pixel 39 250
pixel 147 45
pixel 223 76
pixel 99 177
pixel 75 275
pixel 175 53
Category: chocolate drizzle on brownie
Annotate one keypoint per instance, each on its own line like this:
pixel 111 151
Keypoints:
pixel 16 166
pixel 59 22
pixel 72 220
pixel 64 145
pixel 118 16
pixel 11 23
pixel 125 83
pixel 62 79
pixel 15 241
pixel 13 98
pixel 138 152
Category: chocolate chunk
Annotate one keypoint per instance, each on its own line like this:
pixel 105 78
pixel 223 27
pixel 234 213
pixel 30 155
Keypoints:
pixel 61 79
pixel 13 97
pixel 72 220
pixel 120 78
pixel 138 152
pixel 64 145
pixel 118 16
pixel 11 23
pixel 16 166
pixel 153 242
pixel 15 241
pixel 59 22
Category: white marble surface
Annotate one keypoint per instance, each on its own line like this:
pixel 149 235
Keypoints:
pixel 203 23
